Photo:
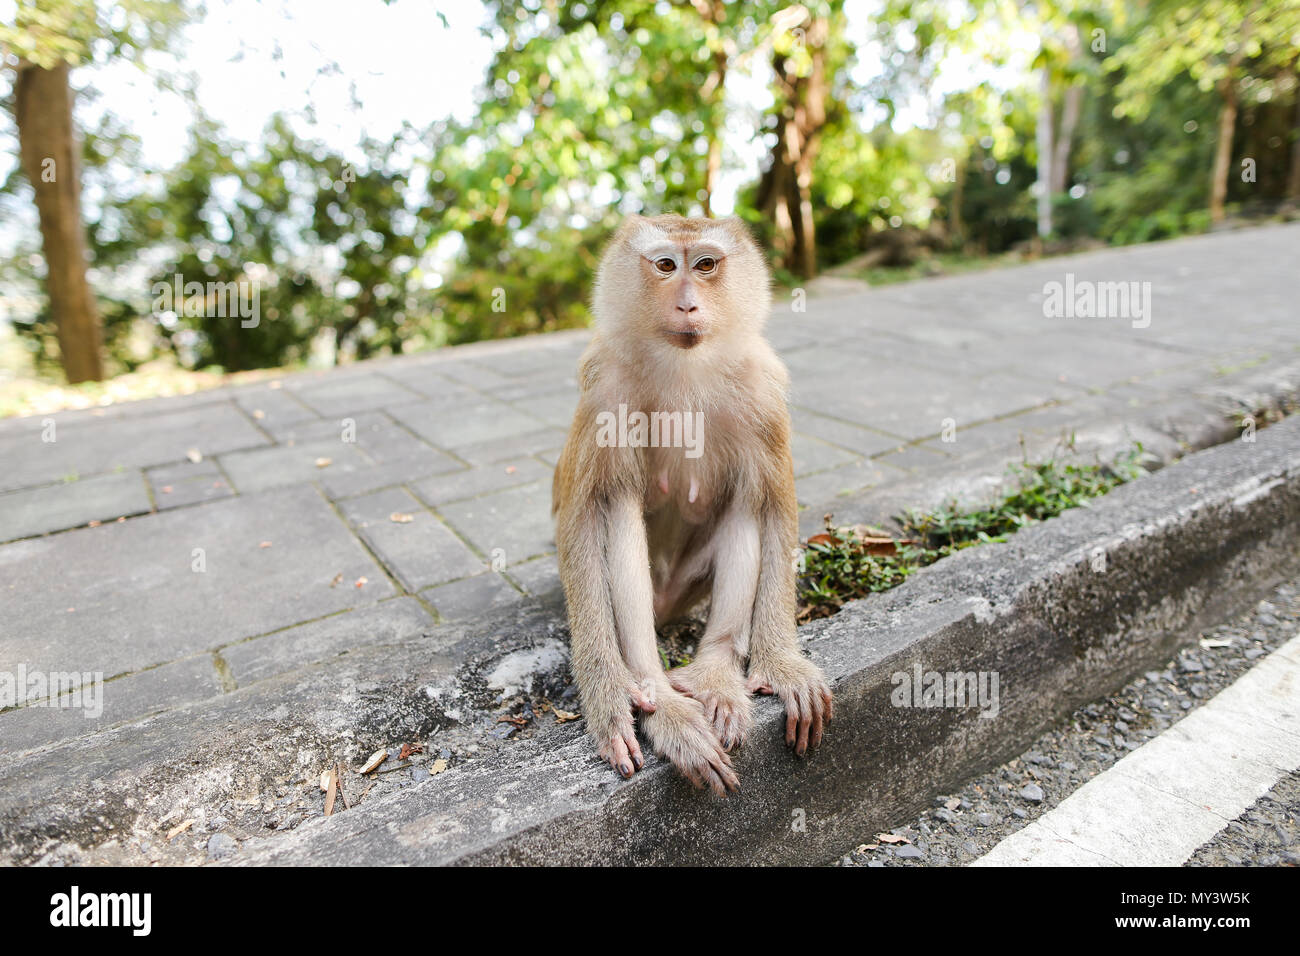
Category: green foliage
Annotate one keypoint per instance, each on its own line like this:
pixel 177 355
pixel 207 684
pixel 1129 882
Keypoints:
pixel 46 32
pixel 1148 179
pixel 1211 42
pixel 1043 490
pixel 848 563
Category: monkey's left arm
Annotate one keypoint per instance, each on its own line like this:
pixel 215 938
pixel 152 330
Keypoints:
pixel 776 662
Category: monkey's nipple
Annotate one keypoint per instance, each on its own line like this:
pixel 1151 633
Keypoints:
pixel 663 482
pixel 694 492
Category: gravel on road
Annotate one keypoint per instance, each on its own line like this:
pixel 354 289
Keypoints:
pixel 965 824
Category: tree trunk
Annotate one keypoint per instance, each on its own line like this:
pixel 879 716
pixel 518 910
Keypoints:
pixel 957 228
pixel 1045 154
pixel 1072 105
pixel 1223 152
pixel 48 145
pixel 713 95
pixel 716 87
pixel 785 192
pixel 1293 178
pixel 1070 111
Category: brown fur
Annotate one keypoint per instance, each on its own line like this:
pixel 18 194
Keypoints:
pixel 644 533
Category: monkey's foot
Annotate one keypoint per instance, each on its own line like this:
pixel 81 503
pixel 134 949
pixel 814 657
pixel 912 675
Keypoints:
pixel 680 733
pixel 720 689
pixel 803 689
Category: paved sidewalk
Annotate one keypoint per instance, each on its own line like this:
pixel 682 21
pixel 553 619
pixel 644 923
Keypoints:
pixel 191 546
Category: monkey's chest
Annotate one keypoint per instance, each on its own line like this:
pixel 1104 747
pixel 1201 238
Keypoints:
pixel 683 488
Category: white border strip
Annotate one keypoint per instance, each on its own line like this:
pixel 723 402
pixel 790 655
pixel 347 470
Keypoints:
pixel 1161 802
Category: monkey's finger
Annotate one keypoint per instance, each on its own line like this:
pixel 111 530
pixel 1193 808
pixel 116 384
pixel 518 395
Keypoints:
pixel 619 758
pixel 818 723
pixel 711 776
pixel 723 778
pixel 717 784
pixel 791 720
pixel 829 702
pixel 634 751
pixel 805 724
pixel 724 727
pixel 695 777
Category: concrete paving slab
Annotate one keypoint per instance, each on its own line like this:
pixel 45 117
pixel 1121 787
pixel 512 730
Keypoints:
pixel 848 435
pixel 484 479
pixel 389 622
pixel 812 455
pixel 272 406
pixel 495 451
pixel 92 447
pixel 417 548
pixel 515 522
pixel 94 707
pixel 359 393
pixel 540 577
pixel 280 465
pixel 174 583
pixel 450 427
pixel 191 491
pixel 72 503
pixel 471 597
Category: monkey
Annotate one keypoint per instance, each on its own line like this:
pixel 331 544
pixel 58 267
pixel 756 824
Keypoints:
pixel 648 525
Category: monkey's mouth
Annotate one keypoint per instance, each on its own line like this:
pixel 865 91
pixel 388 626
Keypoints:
pixel 685 340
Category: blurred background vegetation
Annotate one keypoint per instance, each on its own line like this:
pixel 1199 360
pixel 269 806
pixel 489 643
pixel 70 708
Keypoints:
pixel 870 139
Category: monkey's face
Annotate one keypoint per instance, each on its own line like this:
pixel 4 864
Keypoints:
pixel 683 282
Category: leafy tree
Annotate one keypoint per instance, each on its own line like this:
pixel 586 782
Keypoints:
pixel 806 52
pixel 1229 46
pixel 46 40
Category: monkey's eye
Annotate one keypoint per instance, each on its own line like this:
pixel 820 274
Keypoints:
pixel 665 265
pixel 706 264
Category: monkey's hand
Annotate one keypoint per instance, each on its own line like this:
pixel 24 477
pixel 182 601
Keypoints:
pixel 802 688
pixel 719 686
pixel 680 733
pixel 613 732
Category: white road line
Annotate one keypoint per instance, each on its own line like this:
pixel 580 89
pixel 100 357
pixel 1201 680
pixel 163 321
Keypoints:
pixel 1162 801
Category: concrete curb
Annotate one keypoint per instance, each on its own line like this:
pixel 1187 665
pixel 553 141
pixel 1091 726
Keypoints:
pixel 1063 612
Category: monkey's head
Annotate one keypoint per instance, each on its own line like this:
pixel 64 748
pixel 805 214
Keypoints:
pixel 682 283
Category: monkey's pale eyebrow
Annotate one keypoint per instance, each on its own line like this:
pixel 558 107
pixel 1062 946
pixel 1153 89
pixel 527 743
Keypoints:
pixel 662 250
pixel 713 251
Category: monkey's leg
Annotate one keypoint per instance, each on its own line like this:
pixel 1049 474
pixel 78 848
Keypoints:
pixel 677 727
pixel 607 687
pixel 716 678
pixel 776 664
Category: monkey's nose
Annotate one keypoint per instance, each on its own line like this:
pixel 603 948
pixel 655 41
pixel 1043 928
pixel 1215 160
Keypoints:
pixel 688 309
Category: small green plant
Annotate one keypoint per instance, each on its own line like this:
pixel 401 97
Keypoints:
pixel 1268 414
pixel 842 564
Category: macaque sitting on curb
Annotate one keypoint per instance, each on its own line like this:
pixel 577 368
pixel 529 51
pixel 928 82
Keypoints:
pixel 676 484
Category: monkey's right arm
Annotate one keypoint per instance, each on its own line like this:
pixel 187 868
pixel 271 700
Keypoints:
pixel 605 684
